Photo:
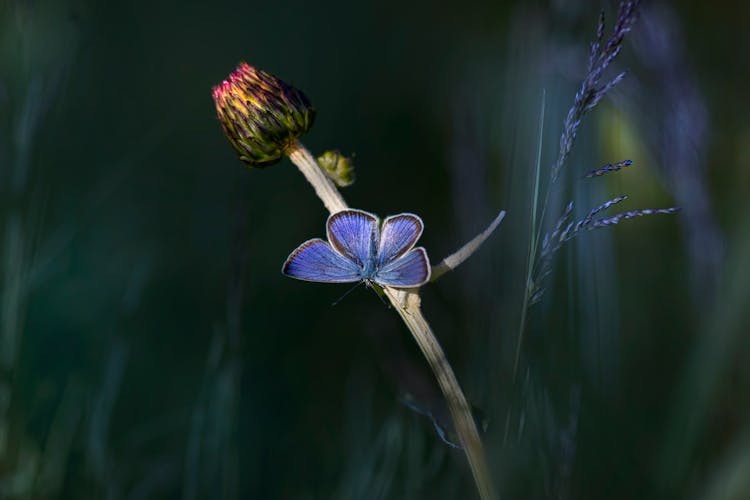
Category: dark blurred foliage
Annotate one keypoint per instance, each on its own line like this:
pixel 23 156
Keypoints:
pixel 150 347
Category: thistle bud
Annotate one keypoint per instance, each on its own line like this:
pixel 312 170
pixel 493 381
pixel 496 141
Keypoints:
pixel 261 115
pixel 337 167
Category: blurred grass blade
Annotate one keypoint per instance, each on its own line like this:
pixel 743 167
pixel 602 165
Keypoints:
pixel 708 366
pixel 534 235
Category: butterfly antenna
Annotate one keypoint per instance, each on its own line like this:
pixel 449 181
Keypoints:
pixel 347 293
pixel 379 292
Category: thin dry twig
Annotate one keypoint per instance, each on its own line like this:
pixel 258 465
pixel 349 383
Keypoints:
pixel 458 257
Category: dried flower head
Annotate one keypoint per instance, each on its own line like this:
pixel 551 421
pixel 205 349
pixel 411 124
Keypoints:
pixel 261 115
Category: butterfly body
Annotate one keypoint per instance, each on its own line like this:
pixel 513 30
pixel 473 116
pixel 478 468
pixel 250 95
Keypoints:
pixel 359 249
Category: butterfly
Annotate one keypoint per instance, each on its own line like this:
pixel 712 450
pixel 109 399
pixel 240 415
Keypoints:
pixel 359 249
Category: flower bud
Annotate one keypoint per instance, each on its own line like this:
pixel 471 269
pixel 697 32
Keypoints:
pixel 337 167
pixel 261 115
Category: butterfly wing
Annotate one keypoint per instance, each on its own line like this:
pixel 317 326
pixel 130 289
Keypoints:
pixel 355 235
pixel 399 234
pixel 407 271
pixel 315 260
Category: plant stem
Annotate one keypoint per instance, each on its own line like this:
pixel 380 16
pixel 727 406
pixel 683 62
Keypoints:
pixel 407 304
pixel 324 187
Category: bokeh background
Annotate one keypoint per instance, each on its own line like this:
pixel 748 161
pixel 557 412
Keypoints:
pixel 150 348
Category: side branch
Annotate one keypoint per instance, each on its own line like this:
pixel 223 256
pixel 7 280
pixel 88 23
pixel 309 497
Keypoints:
pixel 454 260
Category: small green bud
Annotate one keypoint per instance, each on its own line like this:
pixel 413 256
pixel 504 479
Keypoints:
pixel 338 167
pixel 261 115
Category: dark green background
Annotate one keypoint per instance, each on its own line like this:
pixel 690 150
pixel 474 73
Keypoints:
pixel 152 349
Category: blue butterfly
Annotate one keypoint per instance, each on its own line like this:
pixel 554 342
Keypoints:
pixel 358 249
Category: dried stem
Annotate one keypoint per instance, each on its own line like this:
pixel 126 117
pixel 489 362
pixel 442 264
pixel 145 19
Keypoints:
pixel 456 259
pixel 407 304
pixel 324 188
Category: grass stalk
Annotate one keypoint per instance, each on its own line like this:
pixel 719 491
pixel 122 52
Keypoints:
pixel 534 236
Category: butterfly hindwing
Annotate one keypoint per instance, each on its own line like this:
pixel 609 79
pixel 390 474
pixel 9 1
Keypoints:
pixel 399 234
pixel 315 260
pixel 407 271
pixel 354 234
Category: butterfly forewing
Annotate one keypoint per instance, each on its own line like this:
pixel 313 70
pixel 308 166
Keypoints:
pixel 399 234
pixel 410 270
pixel 315 260
pixel 354 234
